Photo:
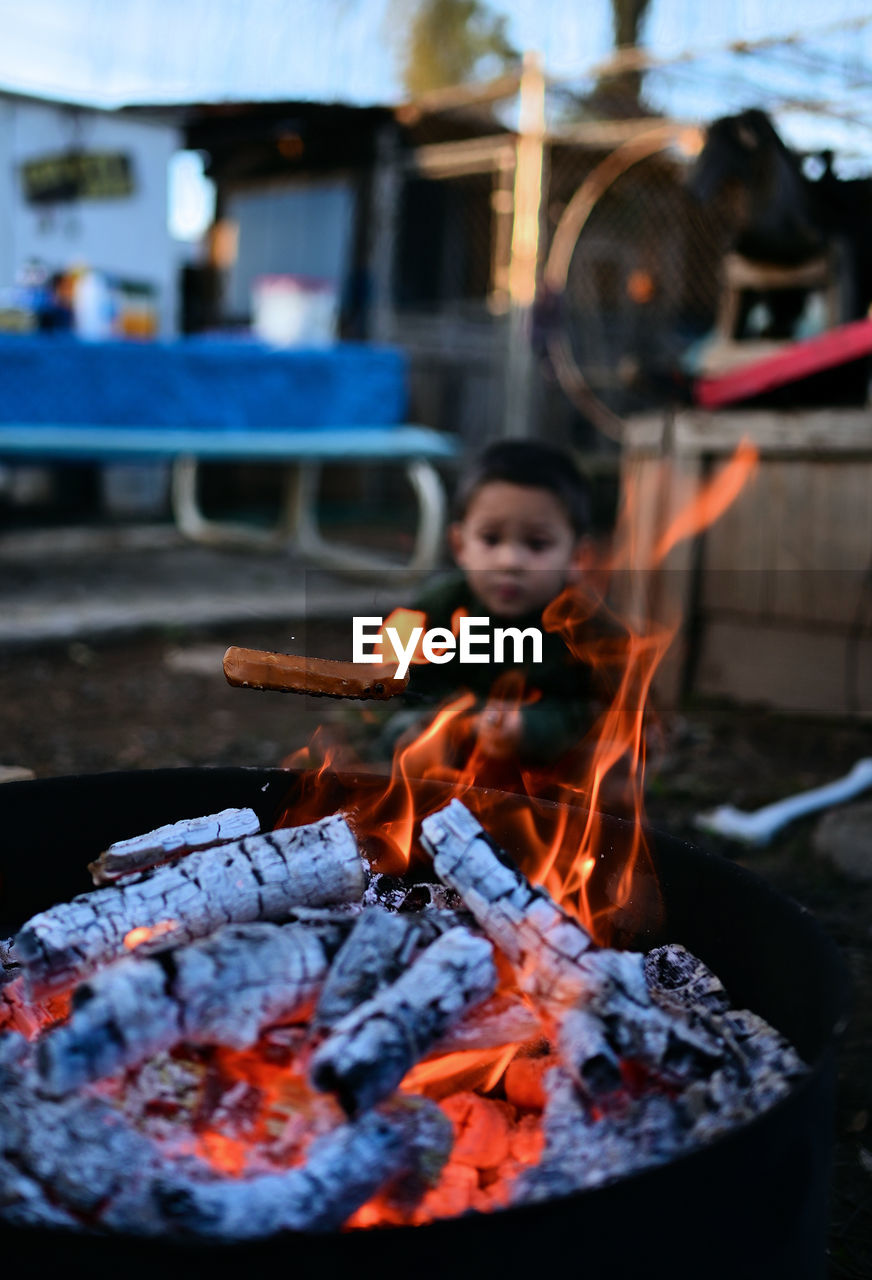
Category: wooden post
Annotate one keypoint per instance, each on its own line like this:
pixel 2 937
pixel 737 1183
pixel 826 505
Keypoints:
pixel 524 259
pixel 383 231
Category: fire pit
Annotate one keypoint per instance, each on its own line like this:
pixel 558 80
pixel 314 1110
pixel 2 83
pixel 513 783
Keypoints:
pixel 753 1203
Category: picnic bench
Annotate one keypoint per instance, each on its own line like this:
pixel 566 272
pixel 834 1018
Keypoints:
pixel 195 402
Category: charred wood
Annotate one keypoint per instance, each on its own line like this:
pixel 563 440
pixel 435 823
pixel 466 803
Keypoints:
pixel 259 878
pixel 759 1070
pixel 371 1049
pixel 75 1160
pixel 585 1150
pixel 222 990
pixel 544 942
pixel 587 1146
pixel 380 946
pixel 677 977
pixel 394 894
pixel 503 1019
pixel 616 1018
pixel 173 840
pixel 409 1139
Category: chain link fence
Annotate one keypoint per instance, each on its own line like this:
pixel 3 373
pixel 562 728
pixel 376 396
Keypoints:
pixel 627 284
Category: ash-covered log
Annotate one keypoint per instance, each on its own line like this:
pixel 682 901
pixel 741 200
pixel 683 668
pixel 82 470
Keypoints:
pixel 173 840
pixel 544 942
pixel 379 947
pixel 503 1019
pixel 75 1161
pixel 599 997
pixel 617 1018
pixel 584 1149
pixel 408 1139
pixel 371 1049
pixel 224 990
pixel 676 977
pixel 259 878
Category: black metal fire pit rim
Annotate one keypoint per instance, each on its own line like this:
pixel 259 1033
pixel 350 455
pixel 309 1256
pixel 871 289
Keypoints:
pixel 765 1180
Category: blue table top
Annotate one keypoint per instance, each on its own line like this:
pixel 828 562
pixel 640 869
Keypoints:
pixel 200 383
pixel 73 442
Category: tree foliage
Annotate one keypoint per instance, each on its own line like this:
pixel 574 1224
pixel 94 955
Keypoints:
pixel 620 95
pixel 447 42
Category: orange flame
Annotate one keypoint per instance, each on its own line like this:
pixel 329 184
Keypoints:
pixel 227 1155
pixel 560 845
pixel 148 933
pixel 711 502
pixel 482 1068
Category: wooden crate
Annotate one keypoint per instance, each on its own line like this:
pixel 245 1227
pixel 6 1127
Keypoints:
pixel 773 602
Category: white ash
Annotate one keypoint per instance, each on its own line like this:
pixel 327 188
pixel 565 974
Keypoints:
pixel 369 1051
pixel 408 1140
pixel 223 989
pixel 541 939
pixel 172 840
pixel 259 878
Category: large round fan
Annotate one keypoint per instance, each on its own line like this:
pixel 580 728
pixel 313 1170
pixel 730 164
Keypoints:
pixel 632 273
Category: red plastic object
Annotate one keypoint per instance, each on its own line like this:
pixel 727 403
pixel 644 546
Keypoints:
pixel 801 359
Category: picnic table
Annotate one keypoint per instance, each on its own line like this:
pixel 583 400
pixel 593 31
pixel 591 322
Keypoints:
pixel 219 401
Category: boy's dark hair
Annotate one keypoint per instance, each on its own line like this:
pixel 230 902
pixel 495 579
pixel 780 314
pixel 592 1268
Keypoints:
pixel 534 466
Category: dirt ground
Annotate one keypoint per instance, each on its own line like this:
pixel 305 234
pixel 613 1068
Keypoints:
pixel 162 701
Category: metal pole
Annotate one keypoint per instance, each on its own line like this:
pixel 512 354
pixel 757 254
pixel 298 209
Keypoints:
pixel 524 259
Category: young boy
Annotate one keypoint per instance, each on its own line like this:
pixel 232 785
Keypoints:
pixel 521 537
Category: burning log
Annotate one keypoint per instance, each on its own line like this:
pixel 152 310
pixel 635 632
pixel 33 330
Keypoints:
pixel 372 1048
pixel 408 1139
pixel 600 997
pixel 584 1149
pixel 380 946
pixel 173 840
pixel 617 1019
pixel 675 977
pixel 259 878
pixel 64 1162
pixel 222 990
pixel 544 942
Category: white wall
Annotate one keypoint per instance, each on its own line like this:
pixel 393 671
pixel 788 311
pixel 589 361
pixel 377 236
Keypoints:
pixel 7 191
pixel 127 236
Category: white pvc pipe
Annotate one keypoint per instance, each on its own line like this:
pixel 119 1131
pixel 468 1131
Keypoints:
pixel 760 826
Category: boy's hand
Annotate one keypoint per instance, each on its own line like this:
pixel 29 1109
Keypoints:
pixel 498 729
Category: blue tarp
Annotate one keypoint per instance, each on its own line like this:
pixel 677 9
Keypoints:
pixel 199 383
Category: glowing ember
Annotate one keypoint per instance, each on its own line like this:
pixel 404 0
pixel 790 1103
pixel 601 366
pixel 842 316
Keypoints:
pixel 142 934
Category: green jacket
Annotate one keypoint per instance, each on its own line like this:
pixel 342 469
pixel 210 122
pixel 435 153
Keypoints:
pixel 568 692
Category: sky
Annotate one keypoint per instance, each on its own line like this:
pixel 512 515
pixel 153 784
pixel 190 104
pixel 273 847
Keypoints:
pixel 114 52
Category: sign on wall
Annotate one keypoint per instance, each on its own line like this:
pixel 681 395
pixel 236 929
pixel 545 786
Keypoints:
pixel 77 175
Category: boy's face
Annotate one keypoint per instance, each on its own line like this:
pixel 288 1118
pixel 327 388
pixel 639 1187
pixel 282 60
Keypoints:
pixel 516 546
